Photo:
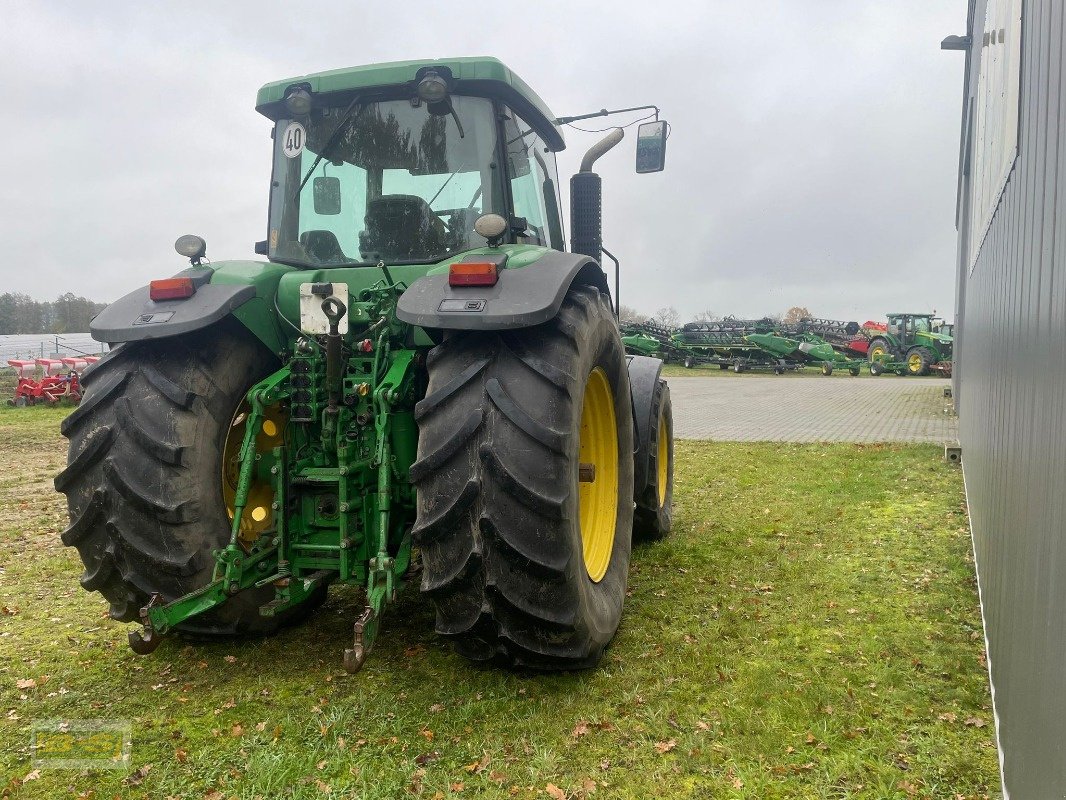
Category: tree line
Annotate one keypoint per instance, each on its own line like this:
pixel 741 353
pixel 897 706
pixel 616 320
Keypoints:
pixel 670 317
pixel 68 313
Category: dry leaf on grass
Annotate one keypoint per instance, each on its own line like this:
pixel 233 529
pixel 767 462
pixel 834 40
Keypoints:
pixel 554 792
pixel 665 747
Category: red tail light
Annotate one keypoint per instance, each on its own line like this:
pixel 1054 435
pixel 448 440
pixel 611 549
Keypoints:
pixel 472 273
pixel 171 289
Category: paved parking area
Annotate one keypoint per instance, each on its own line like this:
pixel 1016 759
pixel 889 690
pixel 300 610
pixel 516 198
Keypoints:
pixel 752 408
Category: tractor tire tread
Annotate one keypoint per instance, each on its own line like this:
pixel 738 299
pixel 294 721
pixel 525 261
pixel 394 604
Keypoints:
pixel 490 525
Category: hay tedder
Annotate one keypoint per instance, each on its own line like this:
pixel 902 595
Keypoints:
pixel 418 383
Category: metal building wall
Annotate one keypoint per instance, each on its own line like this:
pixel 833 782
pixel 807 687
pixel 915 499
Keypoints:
pixel 1011 388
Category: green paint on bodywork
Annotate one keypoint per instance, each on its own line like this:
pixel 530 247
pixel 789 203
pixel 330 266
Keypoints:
pixel 258 314
pixel 397 73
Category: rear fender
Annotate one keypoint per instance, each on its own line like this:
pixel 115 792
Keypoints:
pixel 643 380
pixel 521 297
pixel 242 289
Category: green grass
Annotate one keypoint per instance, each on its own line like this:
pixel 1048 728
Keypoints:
pixel 811 629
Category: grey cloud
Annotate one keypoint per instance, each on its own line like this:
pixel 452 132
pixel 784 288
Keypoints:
pixel 812 159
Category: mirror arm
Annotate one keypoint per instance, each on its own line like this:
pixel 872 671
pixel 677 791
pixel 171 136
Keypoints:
pixel 603 112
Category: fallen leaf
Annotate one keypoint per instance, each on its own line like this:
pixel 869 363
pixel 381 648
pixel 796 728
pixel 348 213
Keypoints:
pixel 32 776
pixel 665 747
pixel 180 756
pixel 580 729
pixel 436 708
pixel 947 716
pixel 137 776
pixel 555 792
pixel 427 734
pixel 323 787
pixel 236 730
pixel 479 765
pixel 588 785
pixel 974 722
pixel 457 786
pixel 260 726
pixel 26 683
pixel 230 659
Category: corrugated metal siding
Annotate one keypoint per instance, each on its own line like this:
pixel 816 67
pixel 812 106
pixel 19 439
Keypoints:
pixel 1012 388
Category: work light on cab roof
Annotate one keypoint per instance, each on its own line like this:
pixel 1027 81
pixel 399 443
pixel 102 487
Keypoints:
pixel 420 383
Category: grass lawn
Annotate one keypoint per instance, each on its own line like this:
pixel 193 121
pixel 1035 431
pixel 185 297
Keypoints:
pixel 811 629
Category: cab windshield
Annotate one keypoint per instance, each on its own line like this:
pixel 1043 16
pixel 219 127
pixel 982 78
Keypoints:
pixel 396 185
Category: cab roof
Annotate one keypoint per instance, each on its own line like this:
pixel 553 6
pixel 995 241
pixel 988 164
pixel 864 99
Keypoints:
pixel 478 75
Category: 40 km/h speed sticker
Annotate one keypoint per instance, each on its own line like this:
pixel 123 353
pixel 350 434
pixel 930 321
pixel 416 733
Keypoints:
pixel 292 141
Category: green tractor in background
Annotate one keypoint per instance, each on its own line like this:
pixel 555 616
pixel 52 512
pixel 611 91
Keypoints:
pixel 910 346
pixel 418 383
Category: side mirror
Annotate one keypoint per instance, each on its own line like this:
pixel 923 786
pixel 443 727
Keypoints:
pixel 651 146
pixel 327 195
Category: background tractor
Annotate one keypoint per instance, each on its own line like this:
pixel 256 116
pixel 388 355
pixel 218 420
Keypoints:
pixel 419 382
pixel 909 345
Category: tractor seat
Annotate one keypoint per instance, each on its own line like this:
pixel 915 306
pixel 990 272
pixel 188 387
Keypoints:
pixel 401 226
pixel 322 245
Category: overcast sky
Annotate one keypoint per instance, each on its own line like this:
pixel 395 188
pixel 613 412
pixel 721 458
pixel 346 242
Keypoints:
pixel 812 161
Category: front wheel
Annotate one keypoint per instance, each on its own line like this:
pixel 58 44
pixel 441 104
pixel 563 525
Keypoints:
pixel 827 368
pixel 653 516
pixel 524 484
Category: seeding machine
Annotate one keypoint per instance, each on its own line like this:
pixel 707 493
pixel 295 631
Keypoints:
pixel 418 384
pixel 48 380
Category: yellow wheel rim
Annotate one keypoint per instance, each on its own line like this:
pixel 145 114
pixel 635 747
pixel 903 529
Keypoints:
pixel 258 515
pixel 662 460
pixel 877 351
pixel 598 497
pixel 915 362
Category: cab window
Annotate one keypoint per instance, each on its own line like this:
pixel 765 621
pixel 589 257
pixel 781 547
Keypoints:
pixel 534 181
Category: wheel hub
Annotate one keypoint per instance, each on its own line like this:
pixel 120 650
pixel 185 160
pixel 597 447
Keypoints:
pixel 259 515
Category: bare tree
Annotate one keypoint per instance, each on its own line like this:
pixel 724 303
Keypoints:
pixel 629 314
pixel 795 314
pixel 668 317
pixel 706 316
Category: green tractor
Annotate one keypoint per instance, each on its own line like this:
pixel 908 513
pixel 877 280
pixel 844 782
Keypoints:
pixel 910 346
pixel 419 382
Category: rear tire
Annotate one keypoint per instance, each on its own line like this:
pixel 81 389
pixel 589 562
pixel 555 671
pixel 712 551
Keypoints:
pixel 499 520
pixel 144 474
pixel 827 368
pixel 876 368
pixel 653 516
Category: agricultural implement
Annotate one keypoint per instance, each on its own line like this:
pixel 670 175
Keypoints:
pixel 60 380
pixel 909 345
pixel 723 342
pixel 419 383
pixel 805 349
pixel 648 339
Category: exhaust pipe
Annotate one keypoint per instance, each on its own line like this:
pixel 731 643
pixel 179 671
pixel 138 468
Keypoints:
pixel 586 201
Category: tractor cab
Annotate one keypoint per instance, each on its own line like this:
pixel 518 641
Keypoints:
pixel 369 169
pixel 907 327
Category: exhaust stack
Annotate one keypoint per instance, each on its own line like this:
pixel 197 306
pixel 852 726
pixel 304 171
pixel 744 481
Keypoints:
pixel 586 201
